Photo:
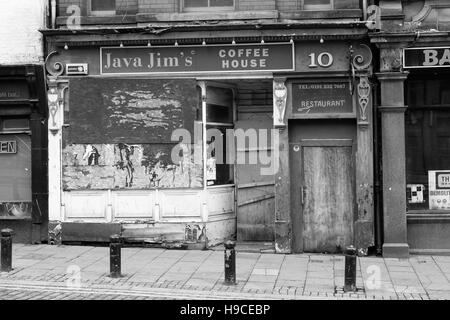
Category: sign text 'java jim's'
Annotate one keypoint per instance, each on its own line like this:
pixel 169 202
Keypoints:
pixel 211 58
pixel 437 57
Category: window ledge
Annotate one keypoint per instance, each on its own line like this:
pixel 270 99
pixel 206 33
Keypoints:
pixel 322 14
pixel 94 20
pixel 428 216
pixel 202 16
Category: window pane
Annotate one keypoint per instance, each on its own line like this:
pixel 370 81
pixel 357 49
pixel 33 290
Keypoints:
pixel 428 145
pixel 219 107
pixel 218 170
pixel 103 5
pixel 15 124
pixel 221 3
pixel 195 3
pixel 317 2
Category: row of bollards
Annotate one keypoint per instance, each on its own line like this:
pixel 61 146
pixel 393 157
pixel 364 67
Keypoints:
pixel 115 268
pixel 115 247
pixel 6 251
pixel 230 263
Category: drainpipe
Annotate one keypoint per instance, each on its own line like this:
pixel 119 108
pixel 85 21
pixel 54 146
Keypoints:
pixel 364 9
pixel 53 13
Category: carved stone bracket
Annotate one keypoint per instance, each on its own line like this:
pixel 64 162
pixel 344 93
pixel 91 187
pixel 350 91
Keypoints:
pixel 360 60
pixel 390 59
pixel 279 102
pixel 56 69
pixel 55 99
pixel 364 90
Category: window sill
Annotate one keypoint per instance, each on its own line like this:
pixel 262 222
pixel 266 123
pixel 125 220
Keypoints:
pixel 15 218
pixel 94 20
pixel 205 15
pixel 322 14
pixel 431 216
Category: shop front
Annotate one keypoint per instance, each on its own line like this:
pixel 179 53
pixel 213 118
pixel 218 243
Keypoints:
pixel 427 95
pixel 23 187
pixel 187 145
pixel 325 180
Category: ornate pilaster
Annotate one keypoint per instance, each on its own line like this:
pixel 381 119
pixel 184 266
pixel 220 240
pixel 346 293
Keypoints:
pixel 56 100
pixel 361 64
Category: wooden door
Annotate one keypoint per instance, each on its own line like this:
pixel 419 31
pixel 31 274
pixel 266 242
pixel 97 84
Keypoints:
pixel 327 197
pixel 255 192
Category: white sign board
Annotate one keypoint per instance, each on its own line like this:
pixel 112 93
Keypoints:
pixel 439 189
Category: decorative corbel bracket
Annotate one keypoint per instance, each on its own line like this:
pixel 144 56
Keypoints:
pixel 55 99
pixel 364 90
pixel 360 68
pixel 56 69
pixel 279 102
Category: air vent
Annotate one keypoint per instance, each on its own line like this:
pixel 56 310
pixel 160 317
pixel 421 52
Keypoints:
pixel 76 69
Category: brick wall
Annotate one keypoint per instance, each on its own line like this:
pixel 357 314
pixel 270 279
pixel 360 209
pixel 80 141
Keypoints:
pixel 122 6
pixel 288 5
pixel 20 21
pixel 293 5
pixel 250 5
pixel 159 6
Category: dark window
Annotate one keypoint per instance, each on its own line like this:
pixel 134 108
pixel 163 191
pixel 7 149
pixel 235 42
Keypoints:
pixel 219 116
pixel 195 5
pixel 317 4
pixel 103 7
pixel 427 128
pixel 14 124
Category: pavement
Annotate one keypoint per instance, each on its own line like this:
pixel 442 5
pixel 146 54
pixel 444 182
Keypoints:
pixel 64 272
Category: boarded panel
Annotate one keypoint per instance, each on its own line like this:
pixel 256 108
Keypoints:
pixel 129 111
pixel 127 166
pixel 328 199
pixel 255 193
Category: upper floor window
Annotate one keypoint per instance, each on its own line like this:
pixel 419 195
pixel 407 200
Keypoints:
pixel 207 5
pixel 102 7
pixel 317 4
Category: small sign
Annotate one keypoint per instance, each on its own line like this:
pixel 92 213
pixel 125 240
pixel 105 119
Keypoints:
pixel 211 169
pixel 268 57
pixel 13 90
pixel 7 147
pixel 439 189
pixel 323 97
pixel 429 57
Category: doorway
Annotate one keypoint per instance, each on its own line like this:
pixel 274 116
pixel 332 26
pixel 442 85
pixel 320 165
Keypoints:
pixel 322 185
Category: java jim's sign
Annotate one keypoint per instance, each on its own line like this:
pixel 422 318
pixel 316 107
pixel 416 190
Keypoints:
pixel 198 59
pixel 429 57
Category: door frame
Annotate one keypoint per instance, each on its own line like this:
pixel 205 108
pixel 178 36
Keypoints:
pixel 296 157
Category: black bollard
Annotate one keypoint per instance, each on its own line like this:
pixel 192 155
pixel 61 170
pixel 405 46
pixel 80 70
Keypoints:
pixel 350 269
pixel 230 262
pixel 115 256
pixel 6 254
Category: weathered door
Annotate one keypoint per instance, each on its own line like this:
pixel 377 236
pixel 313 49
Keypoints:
pixel 327 196
pixel 255 190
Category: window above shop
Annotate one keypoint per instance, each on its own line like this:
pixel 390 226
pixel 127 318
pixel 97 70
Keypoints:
pixel 207 5
pixel 317 4
pixel 102 7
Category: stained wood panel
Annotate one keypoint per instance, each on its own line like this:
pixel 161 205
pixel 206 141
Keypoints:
pixel 255 193
pixel 129 111
pixel 328 199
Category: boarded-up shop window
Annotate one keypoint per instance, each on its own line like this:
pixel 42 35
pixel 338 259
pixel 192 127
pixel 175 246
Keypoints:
pixel 119 134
